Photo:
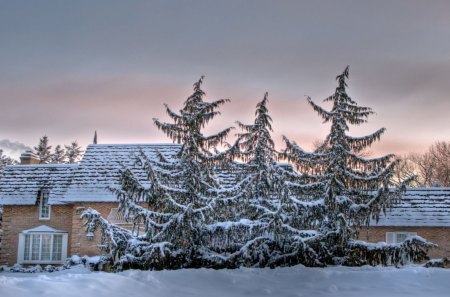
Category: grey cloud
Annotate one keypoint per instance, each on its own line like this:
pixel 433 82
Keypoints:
pixel 71 67
pixel 14 147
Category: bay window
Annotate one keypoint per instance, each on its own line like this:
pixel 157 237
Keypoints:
pixel 42 245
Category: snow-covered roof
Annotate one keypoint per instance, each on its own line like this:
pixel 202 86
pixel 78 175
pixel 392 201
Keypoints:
pixel 84 182
pixel 99 169
pixel 20 184
pixel 420 207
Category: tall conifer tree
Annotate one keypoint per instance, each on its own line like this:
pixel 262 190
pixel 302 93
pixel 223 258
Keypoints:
pixel 59 155
pixel 194 171
pixel 354 188
pixel 43 150
pixel 73 152
pixel 266 185
pixel 184 188
pixel 5 160
pixel 272 215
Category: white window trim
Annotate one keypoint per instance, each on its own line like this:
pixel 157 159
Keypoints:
pixel 41 218
pixel 391 236
pixel 21 248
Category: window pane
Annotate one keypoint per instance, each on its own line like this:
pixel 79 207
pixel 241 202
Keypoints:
pixel 35 246
pixel 46 245
pixel 26 255
pixel 390 237
pixel 57 247
pixel 45 210
pixel 400 237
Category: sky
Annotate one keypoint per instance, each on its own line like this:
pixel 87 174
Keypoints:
pixel 68 68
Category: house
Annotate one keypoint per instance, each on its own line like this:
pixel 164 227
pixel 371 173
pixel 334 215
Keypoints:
pixel 42 205
pixel 421 211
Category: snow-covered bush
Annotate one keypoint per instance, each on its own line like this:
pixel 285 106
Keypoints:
pixel 413 249
pixel 440 263
pixel 21 269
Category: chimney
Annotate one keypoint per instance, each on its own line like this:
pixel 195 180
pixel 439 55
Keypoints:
pixel 29 158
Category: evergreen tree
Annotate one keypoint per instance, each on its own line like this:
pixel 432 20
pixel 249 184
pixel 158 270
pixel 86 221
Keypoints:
pixel 59 155
pixel 197 215
pixel 354 189
pixel 5 160
pixel 183 193
pixel 280 199
pixel 73 152
pixel 271 196
pixel 258 151
pixel 194 172
pixel 43 150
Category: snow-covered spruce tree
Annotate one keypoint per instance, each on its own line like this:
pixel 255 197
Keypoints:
pixel 43 150
pixel 73 152
pixel 182 196
pixel 271 220
pixel 59 155
pixel 354 189
pixel 194 188
pixel 5 160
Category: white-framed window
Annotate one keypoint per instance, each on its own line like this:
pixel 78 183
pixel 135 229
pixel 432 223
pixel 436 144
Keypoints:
pixel 116 217
pixel 44 207
pixel 398 237
pixel 42 245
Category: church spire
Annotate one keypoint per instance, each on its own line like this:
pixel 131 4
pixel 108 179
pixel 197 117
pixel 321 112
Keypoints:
pixel 95 137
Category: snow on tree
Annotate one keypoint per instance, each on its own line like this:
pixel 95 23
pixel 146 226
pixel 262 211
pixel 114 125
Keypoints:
pixel 194 188
pixel 59 155
pixel 259 154
pixel 183 192
pixel 5 160
pixel 278 218
pixel 257 150
pixel 43 150
pixel 73 152
pixel 200 209
pixel 354 189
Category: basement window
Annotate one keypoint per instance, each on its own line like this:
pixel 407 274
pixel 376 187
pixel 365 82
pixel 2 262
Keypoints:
pixel 398 237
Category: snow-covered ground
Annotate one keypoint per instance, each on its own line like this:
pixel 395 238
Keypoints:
pixel 408 281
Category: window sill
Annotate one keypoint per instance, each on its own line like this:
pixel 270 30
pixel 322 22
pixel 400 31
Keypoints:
pixel 41 262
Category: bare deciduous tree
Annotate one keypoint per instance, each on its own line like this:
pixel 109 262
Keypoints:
pixel 432 167
pixel 405 172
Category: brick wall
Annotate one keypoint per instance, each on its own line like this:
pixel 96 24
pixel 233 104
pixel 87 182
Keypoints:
pixel 67 218
pixel 19 218
pixel 437 235
pixel 63 217
pixel 80 245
